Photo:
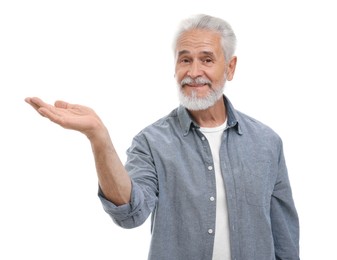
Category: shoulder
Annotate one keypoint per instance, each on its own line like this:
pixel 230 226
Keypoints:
pixel 162 126
pixel 254 127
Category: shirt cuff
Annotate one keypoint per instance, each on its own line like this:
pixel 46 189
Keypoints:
pixel 125 211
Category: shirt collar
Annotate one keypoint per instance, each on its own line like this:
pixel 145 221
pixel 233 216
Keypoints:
pixel 186 122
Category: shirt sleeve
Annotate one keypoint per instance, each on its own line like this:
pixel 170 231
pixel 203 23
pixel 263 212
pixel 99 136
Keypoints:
pixel 284 218
pixel 144 190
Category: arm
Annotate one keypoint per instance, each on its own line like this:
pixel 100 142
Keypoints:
pixel 144 196
pixel 284 218
pixel 112 176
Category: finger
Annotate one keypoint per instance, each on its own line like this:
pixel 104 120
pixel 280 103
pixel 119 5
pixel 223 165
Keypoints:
pixel 30 102
pixel 53 114
pixel 36 102
pixel 40 106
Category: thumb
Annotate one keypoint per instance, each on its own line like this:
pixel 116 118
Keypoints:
pixel 61 104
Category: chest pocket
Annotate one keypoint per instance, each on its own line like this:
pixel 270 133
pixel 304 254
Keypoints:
pixel 255 179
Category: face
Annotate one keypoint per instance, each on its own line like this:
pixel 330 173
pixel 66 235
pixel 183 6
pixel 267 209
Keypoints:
pixel 200 69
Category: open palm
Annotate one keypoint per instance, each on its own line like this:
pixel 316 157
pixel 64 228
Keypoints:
pixel 69 116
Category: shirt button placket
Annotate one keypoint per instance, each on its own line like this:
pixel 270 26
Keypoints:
pixel 210 169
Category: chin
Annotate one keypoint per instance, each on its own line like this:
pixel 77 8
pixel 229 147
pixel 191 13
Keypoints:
pixel 195 103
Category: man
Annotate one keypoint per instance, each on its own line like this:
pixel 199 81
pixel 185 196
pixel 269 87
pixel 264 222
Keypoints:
pixel 213 179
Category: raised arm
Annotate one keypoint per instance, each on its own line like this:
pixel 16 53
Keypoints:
pixel 112 176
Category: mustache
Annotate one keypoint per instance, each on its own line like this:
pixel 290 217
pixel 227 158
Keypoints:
pixel 197 81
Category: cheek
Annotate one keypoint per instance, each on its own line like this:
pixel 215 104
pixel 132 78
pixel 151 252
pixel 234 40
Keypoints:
pixel 219 77
pixel 177 78
pixel 179 75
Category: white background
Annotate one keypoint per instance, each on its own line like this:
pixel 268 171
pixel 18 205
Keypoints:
pixel 116 57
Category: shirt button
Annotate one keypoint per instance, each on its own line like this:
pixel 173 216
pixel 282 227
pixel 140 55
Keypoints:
pixel 210 231
pixel 203 138
pixel 212 198
pixel 210 167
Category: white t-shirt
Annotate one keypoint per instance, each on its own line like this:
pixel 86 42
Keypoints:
pixel 221 250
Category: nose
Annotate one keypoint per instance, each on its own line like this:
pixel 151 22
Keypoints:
pixel 194 70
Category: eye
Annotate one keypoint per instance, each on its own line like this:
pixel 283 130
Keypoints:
pixel 185 60
pixel 207 60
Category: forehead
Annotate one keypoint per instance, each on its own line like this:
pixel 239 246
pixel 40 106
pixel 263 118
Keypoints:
pixel 199 40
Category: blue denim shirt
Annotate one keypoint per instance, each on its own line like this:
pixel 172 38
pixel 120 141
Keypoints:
pixel 173 179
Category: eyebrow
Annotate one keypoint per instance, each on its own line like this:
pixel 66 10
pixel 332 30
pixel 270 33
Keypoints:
pixel 209 53
pixel 182 52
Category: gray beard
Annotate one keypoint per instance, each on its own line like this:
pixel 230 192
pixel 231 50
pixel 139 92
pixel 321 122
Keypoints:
pixel 194 103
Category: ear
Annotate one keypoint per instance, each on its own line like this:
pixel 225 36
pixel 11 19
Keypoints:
pixel 231 68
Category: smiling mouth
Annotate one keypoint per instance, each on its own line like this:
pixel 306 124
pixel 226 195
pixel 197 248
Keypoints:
pixel 196 85
pixel 198 82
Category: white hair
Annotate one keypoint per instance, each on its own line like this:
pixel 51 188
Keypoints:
pixel 207 22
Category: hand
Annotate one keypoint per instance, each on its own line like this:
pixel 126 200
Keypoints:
pixel 69 116
pixel 113 178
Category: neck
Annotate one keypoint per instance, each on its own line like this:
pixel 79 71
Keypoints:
pixel 212 116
